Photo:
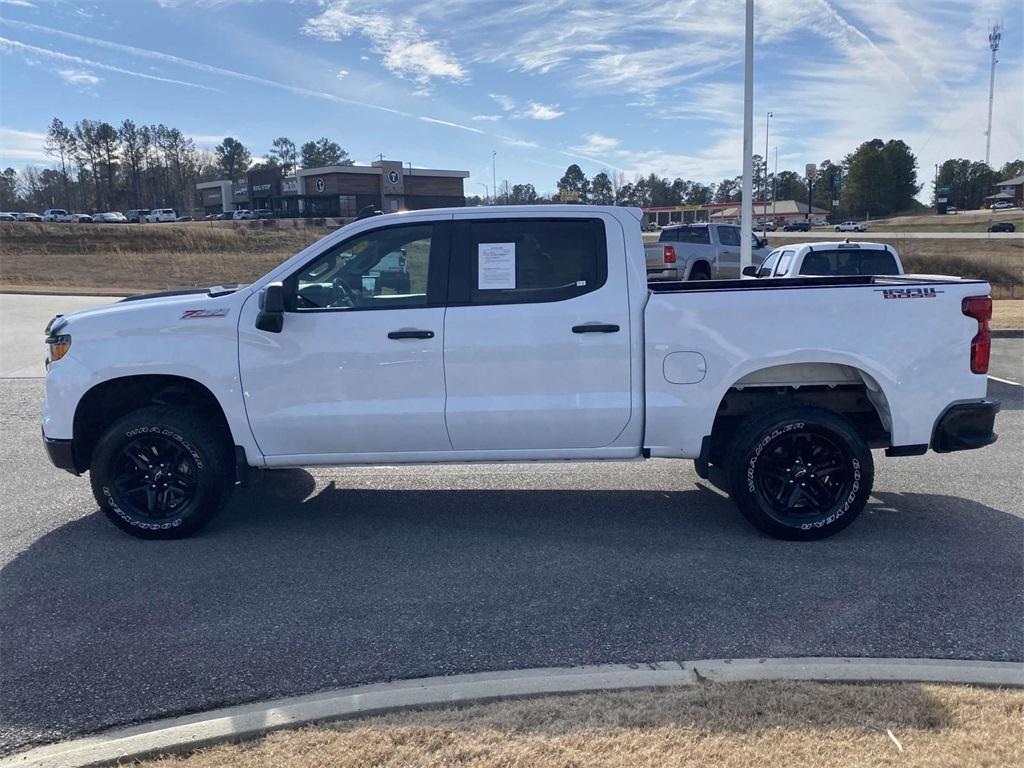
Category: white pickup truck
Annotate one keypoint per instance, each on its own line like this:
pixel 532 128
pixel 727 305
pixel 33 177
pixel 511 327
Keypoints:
pixel 525 334
pixel 828 257
pixel 699 252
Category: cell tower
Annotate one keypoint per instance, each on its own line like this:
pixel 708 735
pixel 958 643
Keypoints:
pixel 993 42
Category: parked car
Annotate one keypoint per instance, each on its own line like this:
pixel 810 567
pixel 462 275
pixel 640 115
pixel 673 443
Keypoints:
pixel 777 391
pixel 158 215
pixel 243 214
pixel 27 216
pixel 797 226
pixel 8 216
pixel 952 209
pixel 225 216
pixel 828 258
pixel 392 273
pixel 699 252
pixel 81 218
pixel 851 226
pixel 649 226
pixel 56 214
pixel 1001 226
pixel 264 213
pixel 109 217
pixel 181 219
pixel 819 223
pixel 1001 205
pixel 766 226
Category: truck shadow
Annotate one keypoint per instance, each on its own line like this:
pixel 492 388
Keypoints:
pixel 300 586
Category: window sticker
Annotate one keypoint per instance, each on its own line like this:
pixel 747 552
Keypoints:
pixel 496 266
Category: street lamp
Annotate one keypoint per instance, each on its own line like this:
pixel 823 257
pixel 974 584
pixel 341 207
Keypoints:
pixel 764 195
pixel 494 175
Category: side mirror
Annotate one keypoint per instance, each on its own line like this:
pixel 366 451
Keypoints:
pixel 271 315
pixel 750 271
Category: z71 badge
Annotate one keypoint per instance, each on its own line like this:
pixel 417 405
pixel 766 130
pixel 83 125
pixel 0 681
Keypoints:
pixel 908 293
pixel 193 314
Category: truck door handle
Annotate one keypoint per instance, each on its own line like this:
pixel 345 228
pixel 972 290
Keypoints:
pixel 595 328
pixel 411 334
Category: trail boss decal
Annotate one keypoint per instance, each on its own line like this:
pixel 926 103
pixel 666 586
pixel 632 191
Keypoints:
pixel 193 314
pixel 908 293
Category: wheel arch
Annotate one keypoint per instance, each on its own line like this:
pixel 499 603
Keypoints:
pixel 109 400
pixel 850 390
pixel 698 262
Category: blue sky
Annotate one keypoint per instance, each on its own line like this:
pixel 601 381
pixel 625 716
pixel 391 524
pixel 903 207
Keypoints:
pixel 625 86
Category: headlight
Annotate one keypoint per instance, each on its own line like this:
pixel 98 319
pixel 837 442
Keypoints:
pixel 56 347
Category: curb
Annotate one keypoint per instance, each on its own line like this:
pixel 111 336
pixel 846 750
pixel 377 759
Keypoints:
pixel 182 734
pixel 99 292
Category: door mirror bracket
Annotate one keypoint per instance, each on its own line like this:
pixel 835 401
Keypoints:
pixel 271 314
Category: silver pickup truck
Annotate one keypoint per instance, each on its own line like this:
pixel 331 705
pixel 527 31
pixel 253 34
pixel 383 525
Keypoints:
pixel 699 252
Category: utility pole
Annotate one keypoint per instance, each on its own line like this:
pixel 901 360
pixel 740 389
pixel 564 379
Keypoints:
pixel 494 175
pixel 993 42
pixel 747 205
pixel 775 180
pixel 764 195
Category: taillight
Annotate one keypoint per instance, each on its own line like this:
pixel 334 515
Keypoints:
pixel 670 254
pixel 980 308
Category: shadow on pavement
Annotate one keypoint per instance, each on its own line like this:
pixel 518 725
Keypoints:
pixel 297 588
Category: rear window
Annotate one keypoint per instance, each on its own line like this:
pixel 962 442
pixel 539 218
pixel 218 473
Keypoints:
pixel 696 235
pixel 849 262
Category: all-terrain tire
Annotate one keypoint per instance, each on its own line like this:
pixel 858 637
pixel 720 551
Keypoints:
pixel 162 472
pixel 799 472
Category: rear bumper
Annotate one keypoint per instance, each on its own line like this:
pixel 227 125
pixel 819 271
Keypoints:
pixel 663 274
pixel 61 453
pixel 965 426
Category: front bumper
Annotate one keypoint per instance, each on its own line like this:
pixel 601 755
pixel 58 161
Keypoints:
pixel 965 426
pixel 61 453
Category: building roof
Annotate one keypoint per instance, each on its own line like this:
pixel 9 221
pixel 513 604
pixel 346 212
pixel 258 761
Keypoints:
pixel 1016 181
pixel 778 208
pixel 1000 196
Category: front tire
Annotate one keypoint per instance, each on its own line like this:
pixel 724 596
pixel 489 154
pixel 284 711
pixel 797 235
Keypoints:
pixel 161 472
pixel 799 472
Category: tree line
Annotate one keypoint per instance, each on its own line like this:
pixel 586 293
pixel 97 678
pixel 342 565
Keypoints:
pixel 98 166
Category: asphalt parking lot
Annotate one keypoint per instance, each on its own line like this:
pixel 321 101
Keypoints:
pixel 315 580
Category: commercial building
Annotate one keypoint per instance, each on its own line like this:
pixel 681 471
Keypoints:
pixel 338 191
pixel 779 211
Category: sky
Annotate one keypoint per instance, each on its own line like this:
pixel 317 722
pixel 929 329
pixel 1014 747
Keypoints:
pixel 629 86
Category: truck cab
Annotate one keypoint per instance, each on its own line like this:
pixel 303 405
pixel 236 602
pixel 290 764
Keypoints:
pixel 700 252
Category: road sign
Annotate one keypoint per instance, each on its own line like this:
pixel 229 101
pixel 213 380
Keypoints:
pixel 810 170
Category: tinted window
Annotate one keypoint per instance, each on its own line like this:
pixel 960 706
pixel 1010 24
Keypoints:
pixel 382 269
pixel 728 235
pixel 669 236
pixel 532 260
pixel 849 262
pixel 697 235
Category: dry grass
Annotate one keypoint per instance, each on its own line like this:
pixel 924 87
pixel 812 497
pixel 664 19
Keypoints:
pixel 90 258
pixel 1008 315
pixel 728 726
pixel 81 258
pixel 968 221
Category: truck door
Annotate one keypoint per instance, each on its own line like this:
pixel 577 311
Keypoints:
pixel 357 367
pixel 537 342
pixel 728 252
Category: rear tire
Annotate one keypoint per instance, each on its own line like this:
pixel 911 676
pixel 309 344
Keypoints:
pixel 161 472
pixel 799 472
pixel 700 272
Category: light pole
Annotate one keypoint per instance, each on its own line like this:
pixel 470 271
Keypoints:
pixel 747 207
pixel 494 175
pixel 764 196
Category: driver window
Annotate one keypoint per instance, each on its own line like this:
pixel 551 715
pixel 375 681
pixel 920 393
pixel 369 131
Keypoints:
pixel 382 269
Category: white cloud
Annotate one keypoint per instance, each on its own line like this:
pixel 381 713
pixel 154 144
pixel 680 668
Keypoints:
pixel 23 146
pixel 461 127
pixel 486 118
pixel 596 144
pixel 78 77
pixel 342 74
pixel 524 143
pixel 505 102
pixel 405 49
pixel 536 111
pixel 18 3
